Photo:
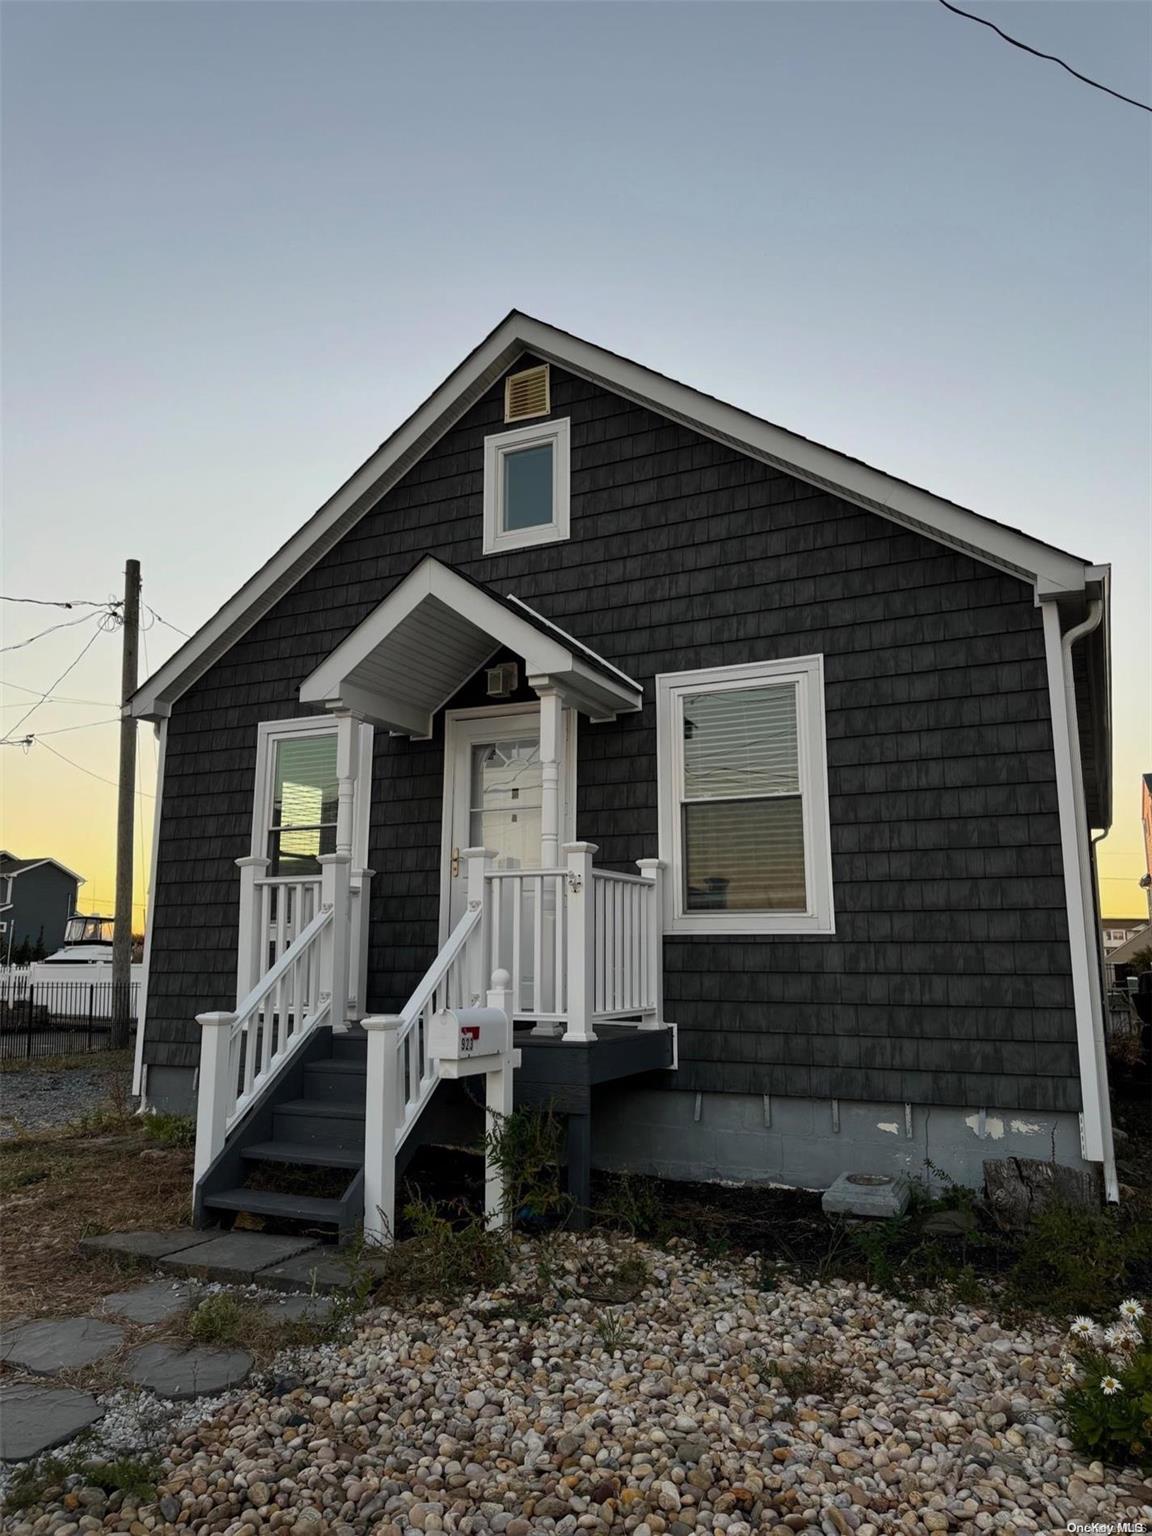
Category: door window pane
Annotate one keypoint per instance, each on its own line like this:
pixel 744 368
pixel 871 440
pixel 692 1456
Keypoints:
pixel 528 487
pixel 504 809
pixel 304 799
pixel 744 856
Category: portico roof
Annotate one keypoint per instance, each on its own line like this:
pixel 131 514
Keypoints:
pixel 433 632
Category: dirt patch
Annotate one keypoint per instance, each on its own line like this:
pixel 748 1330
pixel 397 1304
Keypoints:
pixel 60 1186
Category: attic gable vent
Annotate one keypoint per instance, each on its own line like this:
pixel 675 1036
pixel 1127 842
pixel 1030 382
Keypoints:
pixel 526 394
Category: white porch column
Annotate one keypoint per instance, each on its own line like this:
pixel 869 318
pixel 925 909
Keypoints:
pixel 551 756
pixel 217 1088
pixel 498 1103
pixel 478 861
pixel 336 869
pixel 251 943
pixel 381 1114
pixel 653 939
pixel 581 941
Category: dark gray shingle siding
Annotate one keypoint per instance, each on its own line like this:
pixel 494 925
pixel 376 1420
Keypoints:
pixel 948 977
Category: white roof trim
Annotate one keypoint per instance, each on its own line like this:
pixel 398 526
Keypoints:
pixel 37 864
pixel 432 633
pixel 987 540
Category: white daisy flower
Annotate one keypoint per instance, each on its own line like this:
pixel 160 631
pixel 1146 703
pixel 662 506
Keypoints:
pixel 1109 1386
pixel 1070 1372
pixel 1082 1328
pixel 1121 1337
pixel 1132 1309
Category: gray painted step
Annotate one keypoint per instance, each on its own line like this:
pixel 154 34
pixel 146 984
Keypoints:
pixel 310 1154
pixel 320 1123
pixel 266 1202
pixel 350 1047
pixel 336 1081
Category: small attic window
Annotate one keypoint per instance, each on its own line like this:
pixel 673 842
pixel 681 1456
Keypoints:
pixel 526 478
pixel 526 394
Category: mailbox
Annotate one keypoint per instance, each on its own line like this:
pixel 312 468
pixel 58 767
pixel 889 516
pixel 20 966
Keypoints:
pixel 464 1035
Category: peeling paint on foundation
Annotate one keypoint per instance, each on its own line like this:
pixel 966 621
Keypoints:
pixel 888 1125
pixel 1026 1128
pixel 985 1125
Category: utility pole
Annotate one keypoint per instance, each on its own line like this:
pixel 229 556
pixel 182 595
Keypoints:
pixel 125 813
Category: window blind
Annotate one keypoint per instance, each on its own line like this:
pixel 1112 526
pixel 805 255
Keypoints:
pixel 740 742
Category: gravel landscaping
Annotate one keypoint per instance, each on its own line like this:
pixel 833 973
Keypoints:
pixel 702 1403
pixel 36 1099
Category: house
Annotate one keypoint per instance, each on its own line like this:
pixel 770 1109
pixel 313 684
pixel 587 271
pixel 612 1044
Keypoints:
pixel 1115 931
pixel 1146 824
pixel 762 781
pixel 37 897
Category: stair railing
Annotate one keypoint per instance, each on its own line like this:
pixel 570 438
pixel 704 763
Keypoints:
pixel 241 1051
pixel 402 1073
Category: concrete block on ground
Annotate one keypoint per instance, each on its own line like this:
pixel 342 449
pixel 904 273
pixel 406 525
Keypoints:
pixel 236 1256
pixel 144 1245
pixel 299 1308
pixel 35 1419
pixel 175 1372
pixel 60 1344
pixel 866 1194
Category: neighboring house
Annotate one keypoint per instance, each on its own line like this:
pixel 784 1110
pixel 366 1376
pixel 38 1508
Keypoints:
pixel 1146 823
pixel 1138 942
pixel 854 736
pixel 37 897
pixel 1115 931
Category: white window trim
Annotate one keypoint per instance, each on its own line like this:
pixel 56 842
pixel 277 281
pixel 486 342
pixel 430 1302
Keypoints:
pixel 495 447
pixel 268 733
pixel 807 674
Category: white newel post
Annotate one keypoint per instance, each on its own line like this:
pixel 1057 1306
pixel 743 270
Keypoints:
pixel 653 870
pixel 551 752
pixel 581 941
pixel 498 1102
pixel 217 1089
pixel 336 892
pixel 251 944
pixel 381 1113
pixel 478 862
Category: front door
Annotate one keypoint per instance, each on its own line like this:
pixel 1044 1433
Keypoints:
pixel 495 789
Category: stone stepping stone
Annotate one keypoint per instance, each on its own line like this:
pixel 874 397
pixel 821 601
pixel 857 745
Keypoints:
pixel 144 1245
pixel 295 1309
pixel 35 1419
pixel 155 1302
pixel 60 1344
pixel 171 1371
pixel 324 1270
pixel 235 1256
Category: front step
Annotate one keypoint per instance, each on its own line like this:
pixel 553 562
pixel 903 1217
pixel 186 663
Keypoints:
pixel 336 1081
pixel 303 1154
pixel 320 1123
pixel 267 1202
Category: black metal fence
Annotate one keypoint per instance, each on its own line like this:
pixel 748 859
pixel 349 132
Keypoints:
pixel 63 1018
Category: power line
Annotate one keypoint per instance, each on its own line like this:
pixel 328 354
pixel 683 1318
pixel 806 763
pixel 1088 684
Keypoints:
pixel 88 771
pixel 88 646
pixel 165 623
pixel 51 698
pixel 52 628
pixel 1051 57
pixel 26 741
pixel 48 602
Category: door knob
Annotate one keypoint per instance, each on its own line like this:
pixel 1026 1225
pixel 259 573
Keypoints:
pixel 455 862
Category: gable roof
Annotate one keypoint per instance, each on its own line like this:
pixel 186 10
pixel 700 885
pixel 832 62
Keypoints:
pixel 433 631
pixel 1053 571
pixel 11 865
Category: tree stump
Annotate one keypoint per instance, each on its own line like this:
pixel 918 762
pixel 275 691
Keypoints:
pixel 1019 1188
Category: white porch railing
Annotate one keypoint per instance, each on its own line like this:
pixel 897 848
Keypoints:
pixel 241 1051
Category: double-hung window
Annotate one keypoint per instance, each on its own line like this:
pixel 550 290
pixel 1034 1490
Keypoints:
pixel 297 795
pixel 744 798
pixel 526 477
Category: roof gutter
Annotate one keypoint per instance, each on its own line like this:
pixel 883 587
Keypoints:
pixel 1087 981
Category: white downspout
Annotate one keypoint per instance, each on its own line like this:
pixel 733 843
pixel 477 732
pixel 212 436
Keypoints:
pixel 1086 979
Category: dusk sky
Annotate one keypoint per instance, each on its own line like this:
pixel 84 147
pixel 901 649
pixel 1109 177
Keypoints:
pixel 243 241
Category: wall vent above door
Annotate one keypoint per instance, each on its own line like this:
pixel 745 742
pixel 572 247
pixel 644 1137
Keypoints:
pixel 526 394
